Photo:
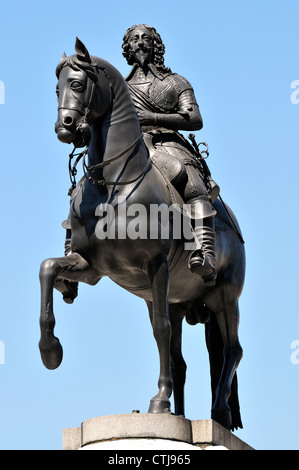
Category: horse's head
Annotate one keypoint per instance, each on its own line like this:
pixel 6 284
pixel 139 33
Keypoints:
pixel 81 90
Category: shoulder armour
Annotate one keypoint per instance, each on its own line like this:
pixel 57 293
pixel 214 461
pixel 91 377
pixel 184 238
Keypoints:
pixel 165 93
pixel 181 83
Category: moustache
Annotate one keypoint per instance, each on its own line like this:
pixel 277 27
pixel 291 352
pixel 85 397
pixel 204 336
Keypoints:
pixel 143 49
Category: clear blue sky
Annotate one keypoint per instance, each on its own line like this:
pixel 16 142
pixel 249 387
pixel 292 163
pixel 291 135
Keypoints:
pixel 241 58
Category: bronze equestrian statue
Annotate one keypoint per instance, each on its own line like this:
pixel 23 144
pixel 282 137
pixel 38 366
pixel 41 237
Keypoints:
pixel 96 110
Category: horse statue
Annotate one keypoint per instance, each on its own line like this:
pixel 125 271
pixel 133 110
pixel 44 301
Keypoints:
pixel 95 109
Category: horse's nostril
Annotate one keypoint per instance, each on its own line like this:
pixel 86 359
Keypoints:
pixel 68 121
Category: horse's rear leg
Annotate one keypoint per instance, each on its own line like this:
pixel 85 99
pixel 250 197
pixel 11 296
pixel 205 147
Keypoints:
pixel 178 365
pixel 49 345
pixel 159 276
pixel 228 321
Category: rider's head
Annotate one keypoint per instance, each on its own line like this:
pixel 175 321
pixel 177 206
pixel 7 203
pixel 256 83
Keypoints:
pixel 152 43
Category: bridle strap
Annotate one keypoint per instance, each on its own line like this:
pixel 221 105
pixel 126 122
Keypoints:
pixel 93 168
pixel 89 101
pixel 103 182
pixel 73 169
pixel 80 110
pixel 74 108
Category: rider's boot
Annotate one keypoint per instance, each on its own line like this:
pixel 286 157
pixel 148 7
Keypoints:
pixel 202 260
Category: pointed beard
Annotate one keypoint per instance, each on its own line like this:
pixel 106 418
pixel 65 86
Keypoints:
pixel 143 57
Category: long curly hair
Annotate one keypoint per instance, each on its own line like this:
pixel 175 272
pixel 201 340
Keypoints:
pixel 158 47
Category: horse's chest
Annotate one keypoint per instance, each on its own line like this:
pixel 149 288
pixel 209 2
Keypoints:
pixel 83 216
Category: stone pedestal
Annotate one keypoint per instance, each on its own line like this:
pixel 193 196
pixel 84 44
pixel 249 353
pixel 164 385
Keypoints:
pixel 150 431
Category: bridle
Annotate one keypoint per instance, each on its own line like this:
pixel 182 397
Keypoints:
pixel 100 182
pixel 81 111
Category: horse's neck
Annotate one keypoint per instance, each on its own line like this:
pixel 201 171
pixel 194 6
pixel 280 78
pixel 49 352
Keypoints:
pixel 118 130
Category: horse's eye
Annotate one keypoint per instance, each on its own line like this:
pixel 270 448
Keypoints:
pixel 76 85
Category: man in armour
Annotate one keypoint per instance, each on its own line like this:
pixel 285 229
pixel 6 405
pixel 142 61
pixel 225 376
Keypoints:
pixel 165 103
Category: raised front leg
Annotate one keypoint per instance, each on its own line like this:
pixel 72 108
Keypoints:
pixel 159 276
pixel 49 345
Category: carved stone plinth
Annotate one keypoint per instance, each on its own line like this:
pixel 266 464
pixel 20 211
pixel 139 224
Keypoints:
pixel 150 431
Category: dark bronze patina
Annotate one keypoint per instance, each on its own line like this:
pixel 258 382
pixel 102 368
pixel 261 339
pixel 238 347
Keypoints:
pixel 95 109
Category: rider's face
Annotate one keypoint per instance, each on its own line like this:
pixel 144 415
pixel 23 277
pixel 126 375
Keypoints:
pixel 141 42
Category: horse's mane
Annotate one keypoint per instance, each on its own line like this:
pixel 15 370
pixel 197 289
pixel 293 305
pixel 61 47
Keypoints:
pixel 76 63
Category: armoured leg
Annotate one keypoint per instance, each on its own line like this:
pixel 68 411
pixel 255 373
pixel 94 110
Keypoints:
pixel 202 260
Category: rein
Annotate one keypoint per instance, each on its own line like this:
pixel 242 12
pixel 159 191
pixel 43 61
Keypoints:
pixel 73 169
pixel 103 182
pixel 92 169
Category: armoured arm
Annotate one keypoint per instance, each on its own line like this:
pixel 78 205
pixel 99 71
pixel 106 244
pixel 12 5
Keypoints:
pixel 185 120
pixel 185 115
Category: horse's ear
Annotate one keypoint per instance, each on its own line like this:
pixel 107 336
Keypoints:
pixel 59 66
pixel 64 56
pixel 82 52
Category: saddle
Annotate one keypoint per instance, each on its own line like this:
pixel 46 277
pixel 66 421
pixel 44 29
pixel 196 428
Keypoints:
pixel 174 168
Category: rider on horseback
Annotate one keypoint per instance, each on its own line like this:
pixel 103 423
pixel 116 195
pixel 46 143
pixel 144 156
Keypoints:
pixel 165 102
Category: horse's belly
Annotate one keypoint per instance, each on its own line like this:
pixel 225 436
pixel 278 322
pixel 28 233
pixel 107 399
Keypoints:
pixel 140 287
pixel 183 284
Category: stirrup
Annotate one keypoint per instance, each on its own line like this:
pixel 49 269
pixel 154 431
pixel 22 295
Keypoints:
pixel 199 263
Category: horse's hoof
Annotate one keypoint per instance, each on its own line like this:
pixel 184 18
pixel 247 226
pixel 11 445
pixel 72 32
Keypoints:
pixel 68 289
pixel 51 354
pixel 223 417
pixel 159 406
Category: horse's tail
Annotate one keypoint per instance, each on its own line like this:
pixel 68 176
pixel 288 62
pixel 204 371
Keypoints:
pixel 215 348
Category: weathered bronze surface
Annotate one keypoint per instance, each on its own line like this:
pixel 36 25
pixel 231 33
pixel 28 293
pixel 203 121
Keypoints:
pixel 95 109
